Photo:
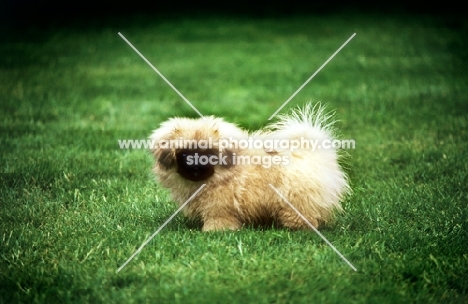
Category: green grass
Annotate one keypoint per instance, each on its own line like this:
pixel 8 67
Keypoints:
pixel 74 207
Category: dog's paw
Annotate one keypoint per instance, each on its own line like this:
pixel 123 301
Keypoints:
pixel 221 224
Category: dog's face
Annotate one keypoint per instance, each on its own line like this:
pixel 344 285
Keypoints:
pixel 190 147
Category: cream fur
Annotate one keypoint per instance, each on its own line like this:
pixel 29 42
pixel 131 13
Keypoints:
pixel 238 194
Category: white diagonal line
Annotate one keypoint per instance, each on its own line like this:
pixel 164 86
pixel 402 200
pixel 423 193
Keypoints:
pixel 160 228
pixel 162 76
pixel 310 78
pixel 315 229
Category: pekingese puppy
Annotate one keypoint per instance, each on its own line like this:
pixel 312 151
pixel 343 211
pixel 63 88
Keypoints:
pixel 297 155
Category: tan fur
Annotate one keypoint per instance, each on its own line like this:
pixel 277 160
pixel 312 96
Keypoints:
pixel 239 194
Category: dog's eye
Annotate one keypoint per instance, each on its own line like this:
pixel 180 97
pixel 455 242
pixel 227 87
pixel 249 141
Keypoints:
pixel 166 160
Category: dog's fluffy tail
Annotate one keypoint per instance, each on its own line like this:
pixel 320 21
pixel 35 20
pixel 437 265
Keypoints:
pixel 310 122
pixel 313 169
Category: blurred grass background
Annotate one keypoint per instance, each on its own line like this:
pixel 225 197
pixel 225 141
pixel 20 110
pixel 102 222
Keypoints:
pixel 74 206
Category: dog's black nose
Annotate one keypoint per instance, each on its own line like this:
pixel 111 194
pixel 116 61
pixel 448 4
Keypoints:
pixel 194 165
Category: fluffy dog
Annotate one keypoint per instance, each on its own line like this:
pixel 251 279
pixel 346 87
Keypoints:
pixel 238 168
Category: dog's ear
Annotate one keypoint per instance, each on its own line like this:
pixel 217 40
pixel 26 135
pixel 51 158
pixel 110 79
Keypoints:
pixel 166 158
pixel 227 155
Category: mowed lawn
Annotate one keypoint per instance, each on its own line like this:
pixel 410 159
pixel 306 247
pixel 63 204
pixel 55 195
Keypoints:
pixel 74 206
